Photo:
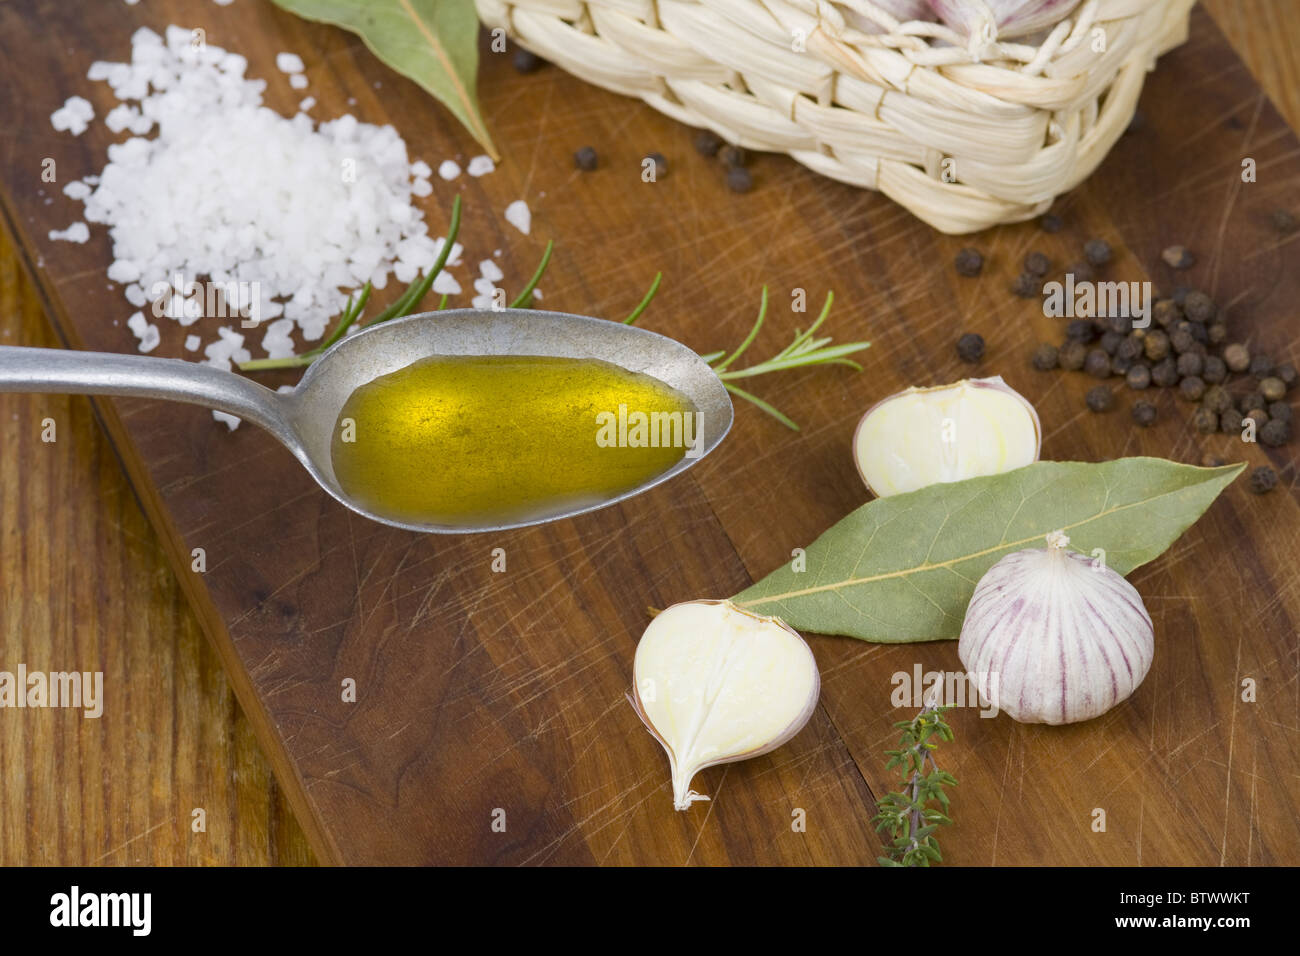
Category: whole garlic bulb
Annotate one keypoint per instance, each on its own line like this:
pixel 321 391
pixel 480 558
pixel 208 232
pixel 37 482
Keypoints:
pixel 1054 637
pixel 1012 18
pixel 715 684
pixel 901 10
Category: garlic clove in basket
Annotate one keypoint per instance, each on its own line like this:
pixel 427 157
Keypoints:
pixel 925 436
pixel 715 684
pixel 900 10
pixel 1002 18
pixel 1054 636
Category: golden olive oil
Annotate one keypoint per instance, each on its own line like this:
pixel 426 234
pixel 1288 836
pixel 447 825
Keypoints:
pixel 495 439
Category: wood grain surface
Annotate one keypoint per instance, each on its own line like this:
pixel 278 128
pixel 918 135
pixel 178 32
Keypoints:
pixel 482 691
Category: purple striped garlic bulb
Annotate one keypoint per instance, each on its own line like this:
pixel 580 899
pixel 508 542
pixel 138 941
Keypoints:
pixel 1053 636
pixel 1012 18
pixel 900 10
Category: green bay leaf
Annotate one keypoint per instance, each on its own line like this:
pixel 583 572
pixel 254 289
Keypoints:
pixel 432 42
pixel 903 568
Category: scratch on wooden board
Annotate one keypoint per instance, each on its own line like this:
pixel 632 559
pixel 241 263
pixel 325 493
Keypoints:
pixel 1232 739
pixel 138 836
pixel 997 823
pixel 1234 191
pixel 713 802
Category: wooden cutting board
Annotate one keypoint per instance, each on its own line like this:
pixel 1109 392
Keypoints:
pixel 482 694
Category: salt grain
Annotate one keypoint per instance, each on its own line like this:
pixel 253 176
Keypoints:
pixel 298 81
pixel 519 216
pixel 288 63
pixel 481 166
pixel 449 169
pixel 73 116
pixel 192 343
pixel 77 232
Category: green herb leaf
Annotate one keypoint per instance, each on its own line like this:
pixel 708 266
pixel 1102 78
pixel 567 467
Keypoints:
pixel 903 568
pixel 432 42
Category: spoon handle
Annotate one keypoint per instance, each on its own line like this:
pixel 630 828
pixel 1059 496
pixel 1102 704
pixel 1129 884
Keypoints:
pixel 72 372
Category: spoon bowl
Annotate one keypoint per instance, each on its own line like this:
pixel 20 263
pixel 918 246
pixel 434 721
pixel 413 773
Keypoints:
pixel 304 418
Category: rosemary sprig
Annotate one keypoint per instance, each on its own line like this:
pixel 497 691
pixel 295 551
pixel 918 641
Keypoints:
pixel 906 814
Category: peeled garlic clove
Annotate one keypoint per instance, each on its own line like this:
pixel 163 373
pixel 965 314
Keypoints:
pixel 1012 18
pixel 924 436
pixel 1054 636
pixel 715 684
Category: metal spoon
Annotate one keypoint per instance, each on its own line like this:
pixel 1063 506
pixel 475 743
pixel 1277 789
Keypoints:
pixel 304 419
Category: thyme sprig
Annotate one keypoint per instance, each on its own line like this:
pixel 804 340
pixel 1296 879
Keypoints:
pixel 906 815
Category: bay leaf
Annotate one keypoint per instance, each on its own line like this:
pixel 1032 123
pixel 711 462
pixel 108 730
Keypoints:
pixel 903 568
pixel 432 42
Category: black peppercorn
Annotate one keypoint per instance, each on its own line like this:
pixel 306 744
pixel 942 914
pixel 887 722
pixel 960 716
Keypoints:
pixel 1037 264
pixel 1230 421
pixel 586 159
pixel 1122 324
pixel 969 262
pixel 1199 307
pixel 1216 333
pixel 1082 271
pixel 660 164
pixel 1100 399
pixel 739 179
pixel 1205 421
pixel 1192 388
pixel 707 142
pixel 1110 343
pixel 1050 222
pixel 1284 220
pixel 1120 366
pixel 1156 345
pixel 733 155
pixel 1164 373
pixel 1130 348
pixel 1027 285
pixel 1045 357
pixel 1272 389
pixel 1183 341
pixel 1251 400
pixel 1097 364
pixel 1237 357
pixel 1213 370
pixel 1190 363
pixel 1166 312
pixel 1144 413
pixel 1180 294
pixel 970 347
pixel 1081 330
pixel 1258 416
pixel 1178 257
pixel 1275 433
pixel 526 61
pixel 1211 460
pixel 1263 480
pixel 1072 355
pixel 1261 366
pixel 1287 373
pixel 1279 411
pixel 1097 251
pixel 1138 377
pixel 1217 399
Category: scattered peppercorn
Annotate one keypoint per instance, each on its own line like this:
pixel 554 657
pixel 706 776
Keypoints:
pixel 1213 370
pixel 1199 307
pixel 1164 373
pixel 1050 222
pixel 1256 415
pixel 1273 389
pixel 1180 294
pixel 1230 421
pixel 1263 480
pixel 1284 220
pixel 1205 421
pixel 1081 330
pixel 739 179
pixel 660 163
pixel 526 61
pixel 586 159
pixel 1237 357
pixel 1027 285
pixel 1190 363
pixel 1120 365
pixel 1178 257
pixel 1192 388
pixel 1082 272
pixel 1138 377
pixel 1183 342
pixel 733 155
pixel 1217 333
pixel 1279 410
pixel 1110 342
pixel 1122 324
pixel 1097 364
pixel 1287 373
pixel 1072 355
pixel 969 262
pixel 1217 399
pixel 1251 400
pixel 1156 345
pixel 1045 357
pixel 707 142
pixel 1275 433
pixel 1131 347
pixel 1097 252
pixel 1165 312
pixel 970 347
pixel 1100 399
pixel 1144 413
pixel 1037 264
pixel 1261 366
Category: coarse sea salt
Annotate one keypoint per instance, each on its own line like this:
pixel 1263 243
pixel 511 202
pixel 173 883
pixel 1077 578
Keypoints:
pixel 449 169
pixel 73 116
pixel 480 166
pixel 519 216
pixel 288 63
pixel 77 232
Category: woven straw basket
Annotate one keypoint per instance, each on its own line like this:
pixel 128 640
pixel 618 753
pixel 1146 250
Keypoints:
pixel 964 133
